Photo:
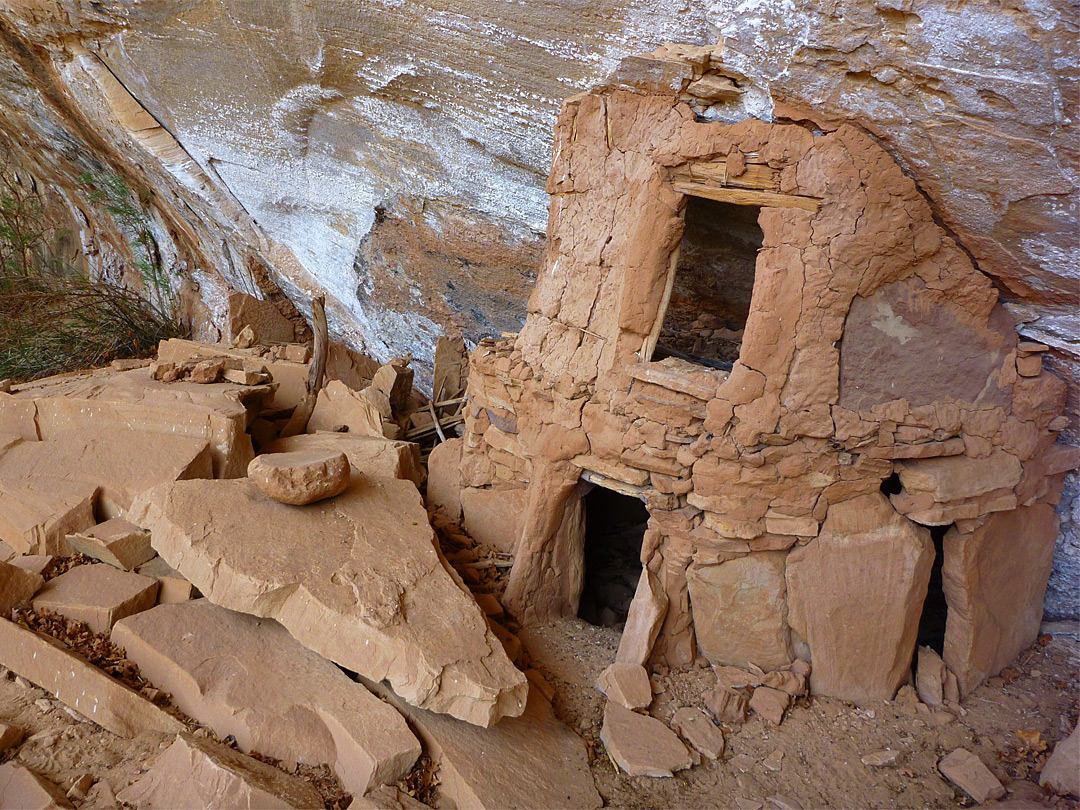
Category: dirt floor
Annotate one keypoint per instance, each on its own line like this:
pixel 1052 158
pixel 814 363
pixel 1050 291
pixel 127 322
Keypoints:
pixel 811 761
pixel 821 740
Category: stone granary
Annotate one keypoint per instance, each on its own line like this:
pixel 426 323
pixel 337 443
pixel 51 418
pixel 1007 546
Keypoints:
pixel 760 331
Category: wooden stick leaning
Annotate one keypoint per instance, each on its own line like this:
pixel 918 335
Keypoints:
pixel 317 371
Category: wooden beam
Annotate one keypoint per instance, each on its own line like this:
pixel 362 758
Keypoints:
pixel 743 196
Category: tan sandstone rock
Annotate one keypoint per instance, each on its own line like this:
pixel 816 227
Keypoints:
pixel 995 580
pixel 493 516
pixel 740 610
pixel 357 579
pixel 855 593
pixel 374 457
pixel 131 400
pixel 642 745
pixel 340 406
pixel 172 587
pixel 647 611
pixel 97 594
pixel 694 726
pixel 1062 771
pixel 116 542
pixel 22 789
pixel 265 320
pixel 75 682
pixel 206 774
pixel 524 762
pixel 729 705
pixel 930 676
pixel 17 587
pixel 770 703
pixel 213 662
pixel 444 478
pixel 967 772
pixel 37 514
pixel 122 463
pixel 301 476
pixel 627 684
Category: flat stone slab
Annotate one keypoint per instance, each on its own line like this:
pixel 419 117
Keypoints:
pixel 116 542
pixel 627 684
pixel 526 762
pixel 694 726
pixel 641 745
pixel 370 456
pixel 356 578
pixel 1062 771
pixel 302 708
pixel 97 594
pixel 22 789
pixel 172 587
pixel 121 463
pixel 131 400
pixel 301 477
pixel 967 772
pixel 74 681
pixel 37 514
pixel 206 774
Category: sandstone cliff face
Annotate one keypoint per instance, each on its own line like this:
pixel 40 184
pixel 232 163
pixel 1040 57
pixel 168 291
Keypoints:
pixel 392 155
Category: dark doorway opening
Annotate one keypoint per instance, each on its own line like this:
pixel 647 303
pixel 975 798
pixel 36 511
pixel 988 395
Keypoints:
pixel 614 528
pixel 714 281
pixel 935 609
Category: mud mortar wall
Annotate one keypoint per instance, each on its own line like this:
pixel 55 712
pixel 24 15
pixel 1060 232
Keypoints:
pixel 874 348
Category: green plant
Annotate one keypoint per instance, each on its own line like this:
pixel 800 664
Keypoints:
pixel 53 318
pixel 131 212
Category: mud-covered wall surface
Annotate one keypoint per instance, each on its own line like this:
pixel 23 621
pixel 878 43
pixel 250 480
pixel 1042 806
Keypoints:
pixel 393 155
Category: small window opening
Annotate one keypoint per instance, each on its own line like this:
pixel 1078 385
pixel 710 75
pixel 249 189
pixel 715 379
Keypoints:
pixel 935 609
pixel 892 485
pixel 714 281
pixel 614 529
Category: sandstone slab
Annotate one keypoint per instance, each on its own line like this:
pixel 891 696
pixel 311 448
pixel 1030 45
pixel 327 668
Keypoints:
pixel 22 789
pixel 855 594
pixel 10 736
pixel 959 477
pixel 265 319
pixel 627 684
pixel 444 478
pixel 740 611
pixel 33 562
pixel 642 745
pixel 213 661
pixel 97 594
pixel 967 772
pixel 17 587
pixel 994 581
pixel 729 705
pixel 647 612
pixel 694 726
pixel 37 514
pixel 357 579
pixel 374 457
pixel 770 703
pixel 116 542
pixel 530 761
pixel 1061 773
pixel 172 587
pixel 206 774
pixel 340 406
pixel 131 400
pixel 493 516
pixel 930 676
pixel 121 463
pixel 75 682
pixel 301 477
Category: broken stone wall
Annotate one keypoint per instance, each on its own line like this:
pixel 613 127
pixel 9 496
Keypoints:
pixel 394 156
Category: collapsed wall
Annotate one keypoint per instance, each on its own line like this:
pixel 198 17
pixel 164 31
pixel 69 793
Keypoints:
pixel 880 404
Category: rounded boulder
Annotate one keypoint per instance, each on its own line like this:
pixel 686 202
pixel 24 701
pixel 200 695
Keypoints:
pixel 302 476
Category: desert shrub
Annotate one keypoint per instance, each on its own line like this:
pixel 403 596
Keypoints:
pixel 53 317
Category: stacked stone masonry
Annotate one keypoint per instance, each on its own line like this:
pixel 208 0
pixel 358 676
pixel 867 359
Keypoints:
pixel 874 352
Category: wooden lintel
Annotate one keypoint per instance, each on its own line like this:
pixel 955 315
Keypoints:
pixel 745 196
